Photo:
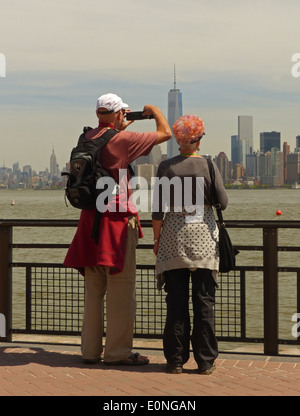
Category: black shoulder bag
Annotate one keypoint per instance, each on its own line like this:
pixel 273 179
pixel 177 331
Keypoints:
pixel 227 252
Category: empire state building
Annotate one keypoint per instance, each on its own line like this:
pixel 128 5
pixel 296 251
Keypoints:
pixel 53 165
pixel 174 112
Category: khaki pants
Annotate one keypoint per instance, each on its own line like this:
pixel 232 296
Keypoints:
pixel 120 306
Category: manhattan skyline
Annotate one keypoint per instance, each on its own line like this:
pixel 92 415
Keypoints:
pixel 226 66
pixel 266 141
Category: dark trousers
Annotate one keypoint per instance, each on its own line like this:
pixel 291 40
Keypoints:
pixel 176 339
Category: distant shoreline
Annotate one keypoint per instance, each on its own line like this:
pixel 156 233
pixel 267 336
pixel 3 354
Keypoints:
pixel 32 189
pixel 257 187
pixel 227 187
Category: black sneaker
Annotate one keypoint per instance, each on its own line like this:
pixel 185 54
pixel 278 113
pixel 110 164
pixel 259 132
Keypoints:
pixel 208 371
pixel 91 361
pixel 174 368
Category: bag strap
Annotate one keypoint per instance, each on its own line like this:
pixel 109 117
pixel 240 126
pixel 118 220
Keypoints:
pixel 105 137
pixel 216 203
pixel 103 140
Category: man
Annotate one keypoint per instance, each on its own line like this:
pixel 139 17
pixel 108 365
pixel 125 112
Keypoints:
pixel 109 266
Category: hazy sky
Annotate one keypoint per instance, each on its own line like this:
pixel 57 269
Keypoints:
pixel 233 57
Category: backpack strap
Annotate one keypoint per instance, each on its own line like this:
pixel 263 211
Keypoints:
pixel 106 136
pixel 101 141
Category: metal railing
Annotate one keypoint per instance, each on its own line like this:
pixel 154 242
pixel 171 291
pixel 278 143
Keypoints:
pixel 54 295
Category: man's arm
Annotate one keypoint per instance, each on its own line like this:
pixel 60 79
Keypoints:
pixel 162 126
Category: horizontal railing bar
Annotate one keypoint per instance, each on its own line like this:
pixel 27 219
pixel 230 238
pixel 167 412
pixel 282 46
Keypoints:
pixel 137 335
pixel 262 224
pixel 52 246
pixel 144 247
pixel 138 266
pixel 38 223
pixel 152 267
pixel 22 264
pixel 140 335
pixel 289 269
pixel 60 265
pixel 140 246
pixel 148 223
pixel 145 336
pixel 288 248
pixel 50 223
pixel 45 332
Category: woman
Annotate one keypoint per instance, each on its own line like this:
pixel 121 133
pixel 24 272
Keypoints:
pixel 187 246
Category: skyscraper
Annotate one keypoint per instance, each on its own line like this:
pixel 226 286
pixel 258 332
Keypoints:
pixel 174 112
pixel 53 165
pixel 286 151
pixel 297 142
pixel 235 150
pixel 268 140
pixel 293 169
pixel 223 165
pixel 245 133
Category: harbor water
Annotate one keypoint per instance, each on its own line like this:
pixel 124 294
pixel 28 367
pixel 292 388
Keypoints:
pixel 243 205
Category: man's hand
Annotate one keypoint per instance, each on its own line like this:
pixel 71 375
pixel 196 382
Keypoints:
pixel 149 110
pixel 125 123
pixel 162 126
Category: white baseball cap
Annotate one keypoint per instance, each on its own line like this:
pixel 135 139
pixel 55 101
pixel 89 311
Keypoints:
pixel 111 102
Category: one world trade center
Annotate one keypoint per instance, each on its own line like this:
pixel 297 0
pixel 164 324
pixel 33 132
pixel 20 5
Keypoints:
pixel 174 112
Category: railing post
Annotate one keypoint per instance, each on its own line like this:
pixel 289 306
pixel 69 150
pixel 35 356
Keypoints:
pixel 5 283
pixel 270 261
pixel 28 298
pixel 298 305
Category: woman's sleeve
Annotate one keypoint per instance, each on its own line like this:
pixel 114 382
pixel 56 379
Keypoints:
pixel 158 204
pixel 220 189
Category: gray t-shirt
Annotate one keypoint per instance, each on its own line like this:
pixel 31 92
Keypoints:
pixel 189 167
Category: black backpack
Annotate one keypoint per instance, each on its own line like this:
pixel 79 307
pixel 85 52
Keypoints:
pixel 85 170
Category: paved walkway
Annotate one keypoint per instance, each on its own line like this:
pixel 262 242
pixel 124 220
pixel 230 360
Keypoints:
pixel 52 370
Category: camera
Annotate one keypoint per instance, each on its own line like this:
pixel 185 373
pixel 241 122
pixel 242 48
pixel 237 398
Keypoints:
pixel 137 115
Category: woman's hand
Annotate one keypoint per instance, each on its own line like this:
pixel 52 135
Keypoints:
pixel 155 248
pixel 156 224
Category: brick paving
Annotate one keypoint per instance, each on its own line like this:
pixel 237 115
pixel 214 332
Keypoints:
pixel 48 370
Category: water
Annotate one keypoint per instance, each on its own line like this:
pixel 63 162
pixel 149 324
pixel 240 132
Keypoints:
pixel 243 205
